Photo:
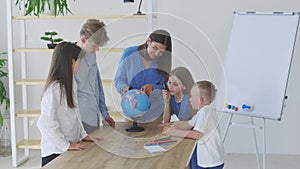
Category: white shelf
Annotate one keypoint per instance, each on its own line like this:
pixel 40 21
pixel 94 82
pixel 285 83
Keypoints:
pixel 25 114
pixel 117 116
pixel 79 17
pixel 19 50
pixel 105 82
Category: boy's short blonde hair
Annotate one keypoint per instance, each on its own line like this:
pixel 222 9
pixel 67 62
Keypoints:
pixel 94 30
pixel 207 90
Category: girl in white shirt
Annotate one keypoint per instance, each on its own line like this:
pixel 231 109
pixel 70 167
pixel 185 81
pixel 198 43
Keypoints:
pixel 60 122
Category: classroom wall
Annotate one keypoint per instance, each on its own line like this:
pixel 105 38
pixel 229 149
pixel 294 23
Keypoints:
pixel 3 42
pixel 214 18
pixel 200 34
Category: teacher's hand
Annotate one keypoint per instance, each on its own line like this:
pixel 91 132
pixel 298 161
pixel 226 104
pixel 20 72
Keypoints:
pixel 124 90
pixel 147 88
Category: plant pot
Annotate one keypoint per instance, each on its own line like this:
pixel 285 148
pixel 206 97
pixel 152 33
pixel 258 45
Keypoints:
pixel 51 45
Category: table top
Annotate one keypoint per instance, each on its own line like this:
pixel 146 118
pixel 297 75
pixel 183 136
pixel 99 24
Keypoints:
pixel 122 149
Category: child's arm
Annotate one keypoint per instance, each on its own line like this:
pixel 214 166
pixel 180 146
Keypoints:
pixel 182 125
pixel 172 131
pixel 167 108
pixel 181 129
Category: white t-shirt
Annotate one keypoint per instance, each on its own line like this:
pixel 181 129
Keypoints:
pixel 210 150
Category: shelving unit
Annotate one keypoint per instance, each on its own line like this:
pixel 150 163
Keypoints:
pixel 20 50
pixel 24 113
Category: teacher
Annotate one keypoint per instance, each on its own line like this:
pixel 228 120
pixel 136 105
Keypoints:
pixel 146 67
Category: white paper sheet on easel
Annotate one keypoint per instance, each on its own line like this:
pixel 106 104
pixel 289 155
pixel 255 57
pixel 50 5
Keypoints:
pixel 155 149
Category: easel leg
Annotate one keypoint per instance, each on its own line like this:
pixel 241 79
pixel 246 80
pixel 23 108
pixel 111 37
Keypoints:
pixel 264 143
pixel 256 147
pixel 229 123
pixel 227 127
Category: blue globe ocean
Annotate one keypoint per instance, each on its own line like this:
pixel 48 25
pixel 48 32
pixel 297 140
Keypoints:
pixel 135 103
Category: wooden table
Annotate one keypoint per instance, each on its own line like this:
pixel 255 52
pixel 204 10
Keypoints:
pixel 125 150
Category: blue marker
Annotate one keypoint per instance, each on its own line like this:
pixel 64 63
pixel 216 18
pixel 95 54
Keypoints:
pixel 247 107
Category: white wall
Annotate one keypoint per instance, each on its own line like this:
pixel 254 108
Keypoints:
pixel 3 46
pixel 214 18
pixel 201 28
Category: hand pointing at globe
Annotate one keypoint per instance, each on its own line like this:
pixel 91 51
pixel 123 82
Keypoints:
pixel 147 88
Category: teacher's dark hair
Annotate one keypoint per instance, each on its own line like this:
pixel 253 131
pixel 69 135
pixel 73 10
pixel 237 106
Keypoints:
pixel 163 37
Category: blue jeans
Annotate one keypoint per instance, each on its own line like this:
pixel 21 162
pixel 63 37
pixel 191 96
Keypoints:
pixel 194 164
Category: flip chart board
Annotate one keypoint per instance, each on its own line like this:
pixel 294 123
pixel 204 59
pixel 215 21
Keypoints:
pixel 257 64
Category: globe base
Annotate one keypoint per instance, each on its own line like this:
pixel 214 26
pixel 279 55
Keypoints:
pixel 135 128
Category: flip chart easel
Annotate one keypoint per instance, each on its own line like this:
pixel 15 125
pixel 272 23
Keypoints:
pixel 251 125
pixel 256 69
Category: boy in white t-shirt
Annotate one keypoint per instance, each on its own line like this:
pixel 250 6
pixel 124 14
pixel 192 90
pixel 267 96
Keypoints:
pixel 209 151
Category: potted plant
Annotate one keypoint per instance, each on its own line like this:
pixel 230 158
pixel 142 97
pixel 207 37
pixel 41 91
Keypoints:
pixel 3 97
pixel 53 41
pixel 37 7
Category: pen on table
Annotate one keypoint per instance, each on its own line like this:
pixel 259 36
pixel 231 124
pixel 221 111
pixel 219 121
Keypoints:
pixel 163 141
pixel 159 138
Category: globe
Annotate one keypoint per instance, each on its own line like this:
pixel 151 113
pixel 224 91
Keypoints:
pixel 135 103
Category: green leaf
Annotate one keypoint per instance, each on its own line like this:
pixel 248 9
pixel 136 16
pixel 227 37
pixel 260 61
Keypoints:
pixel 1 120
pixel 51 33
pixel 7 103
pixel 57 40
pixel 49 5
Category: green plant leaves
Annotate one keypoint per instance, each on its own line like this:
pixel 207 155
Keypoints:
pixel 3 98
pixel 1 121
pixel 37 7
pixel 49 37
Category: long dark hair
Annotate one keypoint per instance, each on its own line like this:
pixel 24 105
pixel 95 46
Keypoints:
pixel 61 69
pixel 163 37
pixel 186 78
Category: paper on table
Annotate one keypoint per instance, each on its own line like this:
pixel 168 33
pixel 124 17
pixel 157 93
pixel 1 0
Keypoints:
pixel 155 149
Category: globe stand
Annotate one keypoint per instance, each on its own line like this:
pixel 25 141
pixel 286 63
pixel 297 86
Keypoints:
pixel 135 128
